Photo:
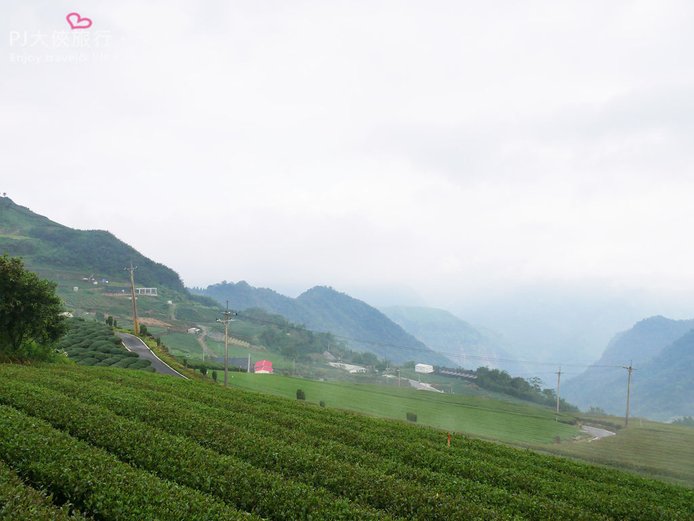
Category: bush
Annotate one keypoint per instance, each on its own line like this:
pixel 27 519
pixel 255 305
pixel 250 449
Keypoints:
pixel 411 417
pixel 300 394
pixel 322 403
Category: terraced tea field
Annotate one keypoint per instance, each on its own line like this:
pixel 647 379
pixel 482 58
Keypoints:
pixel 119 444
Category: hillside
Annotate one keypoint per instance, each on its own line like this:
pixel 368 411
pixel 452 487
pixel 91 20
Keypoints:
pixel 662 351
pixel 128 445
pixel 362 326
pixel 44 244
pixel 442 331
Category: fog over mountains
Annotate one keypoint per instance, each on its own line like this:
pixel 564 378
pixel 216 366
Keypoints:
pixel 662 351
pixel 321 308
pixel 538 329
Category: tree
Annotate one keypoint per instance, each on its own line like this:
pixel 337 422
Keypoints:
pixel 30 312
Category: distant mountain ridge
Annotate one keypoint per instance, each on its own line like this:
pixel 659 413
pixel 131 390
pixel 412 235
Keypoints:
pixel 324 309
pixel 466 345
pixel 662 351
pixel 44 243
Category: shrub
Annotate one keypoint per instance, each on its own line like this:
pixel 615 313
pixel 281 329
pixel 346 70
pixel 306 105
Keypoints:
pixel 411 417
pixel 300 394
pixel 322 403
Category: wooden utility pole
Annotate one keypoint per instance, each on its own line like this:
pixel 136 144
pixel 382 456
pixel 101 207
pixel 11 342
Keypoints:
pixel 558 373
pixel 136 324
pixel 630 370
pixel 225 320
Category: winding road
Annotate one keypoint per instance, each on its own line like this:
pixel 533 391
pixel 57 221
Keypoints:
pixel 134 344
pixel 596 432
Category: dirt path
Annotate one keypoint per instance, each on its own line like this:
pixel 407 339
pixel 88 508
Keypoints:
pixel 596 432
pixel 206 351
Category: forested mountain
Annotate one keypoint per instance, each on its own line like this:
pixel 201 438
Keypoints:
pixel 662 352
pixel 464 344
pixel 362 326
pixel 43 243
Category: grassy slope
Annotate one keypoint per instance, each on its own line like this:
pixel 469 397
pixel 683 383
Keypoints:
pixel 478 416
pixel 650 448
pixel 157 447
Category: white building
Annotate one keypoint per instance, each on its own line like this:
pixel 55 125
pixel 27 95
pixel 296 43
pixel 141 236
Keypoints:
pixel 152 292
pixel 423 368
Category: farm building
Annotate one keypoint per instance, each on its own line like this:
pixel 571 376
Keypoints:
pixel 263 367
pixel 353 369
pixel 423 368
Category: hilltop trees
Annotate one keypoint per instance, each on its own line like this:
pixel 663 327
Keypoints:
pixel 30 321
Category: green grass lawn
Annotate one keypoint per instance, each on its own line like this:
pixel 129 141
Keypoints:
pixel 651 448
pixel 478 416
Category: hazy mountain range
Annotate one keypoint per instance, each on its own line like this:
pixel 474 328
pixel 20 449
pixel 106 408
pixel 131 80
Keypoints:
pixel 466 345
pixel 662 352
pixel 321 308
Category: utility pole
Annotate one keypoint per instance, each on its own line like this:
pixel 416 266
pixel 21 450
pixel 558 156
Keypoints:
pixel 248 370
pixel 558 373
pixel 136 324
pixel 630 370
pixel 227 318
pixel 398 377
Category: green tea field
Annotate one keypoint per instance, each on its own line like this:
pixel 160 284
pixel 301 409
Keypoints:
pixel 114 444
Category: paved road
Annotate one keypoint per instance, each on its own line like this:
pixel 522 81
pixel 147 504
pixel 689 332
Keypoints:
pixel 132 343
pixel 596 433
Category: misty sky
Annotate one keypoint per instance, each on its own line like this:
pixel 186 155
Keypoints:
pixel 433 149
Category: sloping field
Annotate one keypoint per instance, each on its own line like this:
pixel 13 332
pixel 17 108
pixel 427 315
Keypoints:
pixel 132 445
pixel 650 448
pixel 513 422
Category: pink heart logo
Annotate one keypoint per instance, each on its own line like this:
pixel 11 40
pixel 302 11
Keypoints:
pixel 78 22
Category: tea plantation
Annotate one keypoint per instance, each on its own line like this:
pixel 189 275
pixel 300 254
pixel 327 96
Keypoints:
pixel 93 343
pixel 111 444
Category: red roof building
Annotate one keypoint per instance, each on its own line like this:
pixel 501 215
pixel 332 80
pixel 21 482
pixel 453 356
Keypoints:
pixel 263 367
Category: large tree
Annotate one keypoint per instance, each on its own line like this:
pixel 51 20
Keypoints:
pixel 30 320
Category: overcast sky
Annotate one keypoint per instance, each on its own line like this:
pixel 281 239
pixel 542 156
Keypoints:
pixel 430 148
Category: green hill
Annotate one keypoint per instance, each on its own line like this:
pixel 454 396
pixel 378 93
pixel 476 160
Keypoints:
pixel 362 326
pixel 47 245
pixel 130 445
pixel 662 351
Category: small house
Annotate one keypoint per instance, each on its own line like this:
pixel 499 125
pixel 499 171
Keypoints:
pixel 263 367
